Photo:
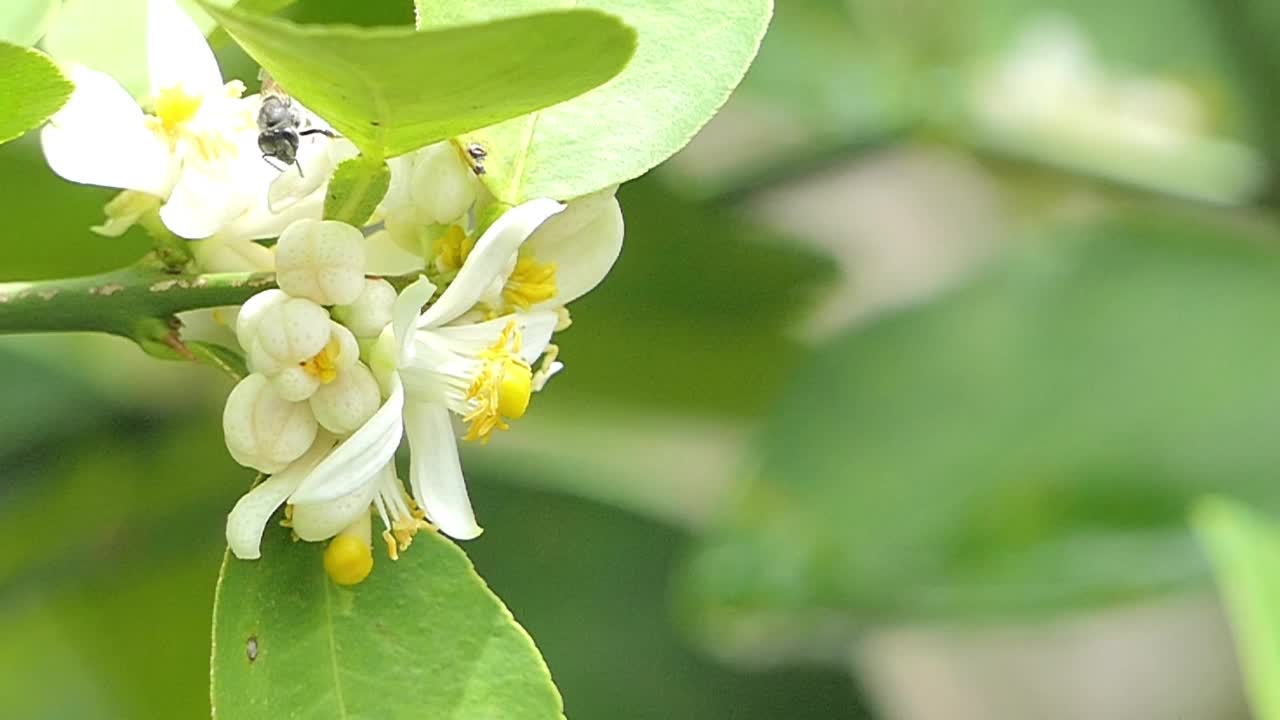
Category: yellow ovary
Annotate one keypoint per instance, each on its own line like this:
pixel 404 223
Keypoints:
pixel 348 560
pixel 501 389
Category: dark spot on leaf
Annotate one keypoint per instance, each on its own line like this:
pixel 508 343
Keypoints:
pixel 251 648
pixel 375 123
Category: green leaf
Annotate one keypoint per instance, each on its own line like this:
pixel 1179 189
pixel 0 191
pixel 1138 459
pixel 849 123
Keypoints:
pixel 1026 445
pixel 32 89
pixel 23 22
pixel 421 637
pixel 691 56
pixel 355 190
pixel 393 90
pixel 1244 549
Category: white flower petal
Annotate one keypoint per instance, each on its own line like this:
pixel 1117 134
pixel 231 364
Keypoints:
pixel 318 156
pixel 535 330
pixel 385 256
pixel 436 472
pixel 584 242
pixel 206 199
pixel 225 252
pixel 315 522
pixel 100 137
pixel 492 253
pixel 359 457
pixel 404 313
pixel 177 53
pixel 252 512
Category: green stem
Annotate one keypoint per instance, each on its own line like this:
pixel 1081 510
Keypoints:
pixel 119 302
pixel 137 302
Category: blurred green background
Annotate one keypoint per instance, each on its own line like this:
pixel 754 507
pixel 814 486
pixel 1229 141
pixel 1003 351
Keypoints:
pixel 893 407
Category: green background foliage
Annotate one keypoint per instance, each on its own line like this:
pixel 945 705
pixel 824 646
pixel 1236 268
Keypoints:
pixel 738 485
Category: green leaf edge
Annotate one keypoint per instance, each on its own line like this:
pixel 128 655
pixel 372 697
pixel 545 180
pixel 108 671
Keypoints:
pixel 1225 528
pixel 58 77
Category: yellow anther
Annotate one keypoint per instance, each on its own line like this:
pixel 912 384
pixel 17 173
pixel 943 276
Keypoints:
pixel 174 107
pixel 324 365
pixel 452 249
pixel 348 560
pixel 531 282
pixel 393 551
pixel 501 388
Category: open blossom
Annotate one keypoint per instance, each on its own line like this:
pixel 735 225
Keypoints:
pixel 195 150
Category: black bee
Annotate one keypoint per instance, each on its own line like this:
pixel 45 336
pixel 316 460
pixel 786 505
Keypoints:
pixel 280 126
pixel 477 155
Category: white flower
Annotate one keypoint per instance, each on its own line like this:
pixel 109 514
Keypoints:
pixel 294 343
pixel 262 429
pixel 566 257
pixel 369 313
pixel 429 188
pixel 197 151
pixel 430 369
pixel 321 261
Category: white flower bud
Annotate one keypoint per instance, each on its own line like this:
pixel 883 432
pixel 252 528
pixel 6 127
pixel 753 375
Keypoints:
pixel 442 187
pixel 285 333
pixel 251 313
pixel 299 381
pixel 321 260
pixel 348 402
pixel 263 430
pixel 371 311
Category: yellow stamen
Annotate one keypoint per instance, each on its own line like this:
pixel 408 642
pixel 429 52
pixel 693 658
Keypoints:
pixel 348 560
pixel 175 107
pixel 452 249
pixel 324 365
pixel 501 388
pixel 530 282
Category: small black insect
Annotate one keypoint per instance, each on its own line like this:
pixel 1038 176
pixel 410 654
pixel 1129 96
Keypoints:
pixel 477 155
pixel 280 127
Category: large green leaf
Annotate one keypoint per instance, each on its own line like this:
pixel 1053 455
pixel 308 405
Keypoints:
pixel 392 90
pixel 691 56
pixel 1025 445
pixel 421 637
pixel 1245 551
pixel 31 89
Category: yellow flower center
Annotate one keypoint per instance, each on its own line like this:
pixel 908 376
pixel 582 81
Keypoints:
pixel 175 107
pixel 452 249
pixel 323 366
pixel 348 560
pixel 501 390
pixel 531 282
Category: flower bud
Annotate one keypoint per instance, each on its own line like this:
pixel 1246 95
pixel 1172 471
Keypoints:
pixel 251 313
pixel 442 187
pixel 321 260
pixel 370 312
pixel 300 381
pixel 348 402
pixel 263 430
pixel 284 333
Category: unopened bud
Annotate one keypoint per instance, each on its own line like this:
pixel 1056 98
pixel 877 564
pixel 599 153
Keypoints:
pixel 321 260
pixel 263 430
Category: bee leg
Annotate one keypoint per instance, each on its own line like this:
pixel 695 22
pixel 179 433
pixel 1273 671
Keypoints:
pixel 267 159
pixel 318 131
pixel 299 166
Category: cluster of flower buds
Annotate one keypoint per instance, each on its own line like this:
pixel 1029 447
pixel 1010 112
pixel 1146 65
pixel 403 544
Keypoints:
pixel 433 322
